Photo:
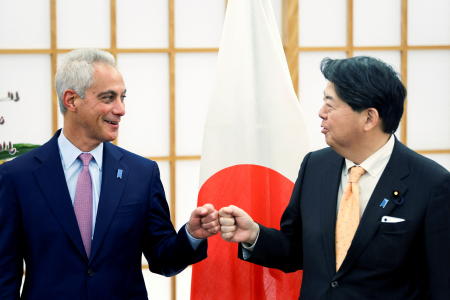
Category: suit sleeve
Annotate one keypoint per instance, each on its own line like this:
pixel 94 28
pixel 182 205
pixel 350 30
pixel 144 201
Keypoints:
pixel 11 265
pixel 167 251
pixel 282 249
pixel 437 241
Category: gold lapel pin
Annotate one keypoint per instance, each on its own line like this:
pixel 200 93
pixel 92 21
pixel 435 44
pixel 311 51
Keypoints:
pixel 397 199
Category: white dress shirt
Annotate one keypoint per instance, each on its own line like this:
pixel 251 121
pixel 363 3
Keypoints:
pixel 72 167
pixel 374 166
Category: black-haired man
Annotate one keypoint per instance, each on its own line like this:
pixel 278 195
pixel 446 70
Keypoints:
pixel 382 232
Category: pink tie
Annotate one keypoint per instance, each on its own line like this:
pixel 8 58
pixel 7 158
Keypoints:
pixel 83 202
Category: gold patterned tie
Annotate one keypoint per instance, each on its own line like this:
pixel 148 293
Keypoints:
pixel 348 215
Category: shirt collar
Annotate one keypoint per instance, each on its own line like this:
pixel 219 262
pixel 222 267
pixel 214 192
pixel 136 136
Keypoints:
pixel 69 153
pixel 375 163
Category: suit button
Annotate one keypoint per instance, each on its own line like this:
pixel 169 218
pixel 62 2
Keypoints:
pixel 334 284
pixel 90 272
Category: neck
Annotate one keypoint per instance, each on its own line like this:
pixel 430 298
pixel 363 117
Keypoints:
pixel 365 148
pixel 77 138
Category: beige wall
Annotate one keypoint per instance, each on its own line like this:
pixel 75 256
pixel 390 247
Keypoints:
pixel 167 51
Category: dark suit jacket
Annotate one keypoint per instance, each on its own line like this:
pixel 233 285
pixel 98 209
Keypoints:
pixel 406 260
pixel 38 225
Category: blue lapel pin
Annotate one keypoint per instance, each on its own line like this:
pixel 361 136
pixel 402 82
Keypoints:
pixel 119 173
pixel 384 203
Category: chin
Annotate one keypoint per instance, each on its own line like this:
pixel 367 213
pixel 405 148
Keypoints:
pixel 109 137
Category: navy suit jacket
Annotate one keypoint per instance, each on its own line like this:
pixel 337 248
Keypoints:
pixel 405 260
pixel 38 226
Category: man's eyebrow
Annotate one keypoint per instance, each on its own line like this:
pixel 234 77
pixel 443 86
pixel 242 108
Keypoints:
pixel 327 97
pixel 107 93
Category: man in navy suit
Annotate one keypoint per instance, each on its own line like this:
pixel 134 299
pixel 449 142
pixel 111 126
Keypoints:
pixel 401 246
pixel 95 252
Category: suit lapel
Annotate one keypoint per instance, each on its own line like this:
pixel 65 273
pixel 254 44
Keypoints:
pixel 112 187
pixel 331 177
pixel 391 180
pixel 51 179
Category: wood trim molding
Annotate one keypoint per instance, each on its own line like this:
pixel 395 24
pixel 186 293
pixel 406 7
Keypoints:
pixel 53 64
pixel 404 67
pixel 290 38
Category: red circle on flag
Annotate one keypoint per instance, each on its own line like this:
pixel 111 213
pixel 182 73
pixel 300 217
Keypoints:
pixel 264 194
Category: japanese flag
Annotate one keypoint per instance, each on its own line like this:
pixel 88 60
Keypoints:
pixel 255 139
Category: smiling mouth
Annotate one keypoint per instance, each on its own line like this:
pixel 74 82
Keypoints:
pixel 112 122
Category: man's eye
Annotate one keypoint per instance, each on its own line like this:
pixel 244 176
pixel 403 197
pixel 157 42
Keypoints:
pixel 108 98
pixel 123 97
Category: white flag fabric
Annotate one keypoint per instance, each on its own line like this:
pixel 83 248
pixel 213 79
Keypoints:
pixel 254 116
pixel 255 139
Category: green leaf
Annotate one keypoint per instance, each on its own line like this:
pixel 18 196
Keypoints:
pixel 21 148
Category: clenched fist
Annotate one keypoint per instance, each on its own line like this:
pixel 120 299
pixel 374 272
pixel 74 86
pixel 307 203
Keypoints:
pixel 237 226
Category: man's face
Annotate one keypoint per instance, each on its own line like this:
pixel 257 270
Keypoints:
pixel 99 113
pixel 342 126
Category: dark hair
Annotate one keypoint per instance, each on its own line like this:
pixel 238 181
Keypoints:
pixel 364 82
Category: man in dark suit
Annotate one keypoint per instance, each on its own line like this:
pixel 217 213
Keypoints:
pixel 399 247
pixel 81 211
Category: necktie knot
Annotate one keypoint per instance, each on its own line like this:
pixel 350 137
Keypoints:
pixel 85 158
pixel 355 174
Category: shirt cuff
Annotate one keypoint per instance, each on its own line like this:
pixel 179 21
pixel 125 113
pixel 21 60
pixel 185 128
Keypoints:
pixel 192 240
pixel 248 248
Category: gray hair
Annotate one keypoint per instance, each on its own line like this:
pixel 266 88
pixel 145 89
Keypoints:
pixel 76 71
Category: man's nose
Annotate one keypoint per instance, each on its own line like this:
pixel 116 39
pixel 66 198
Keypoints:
pixel 119 108
pixel 322 112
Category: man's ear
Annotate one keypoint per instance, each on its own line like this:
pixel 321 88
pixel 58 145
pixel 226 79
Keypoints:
pixel 69 97
pixel 372 118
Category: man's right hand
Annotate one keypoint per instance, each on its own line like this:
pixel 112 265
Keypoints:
pixel 237 226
